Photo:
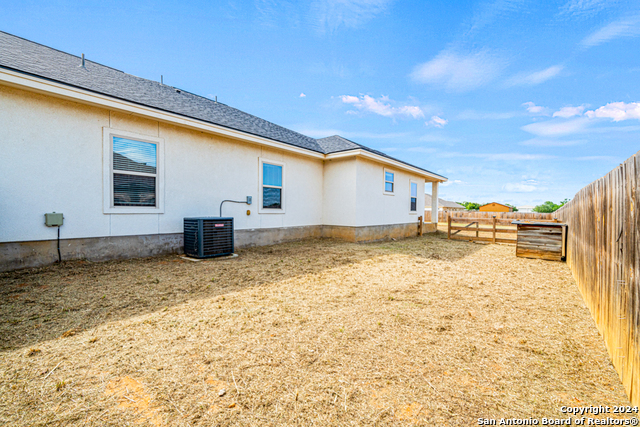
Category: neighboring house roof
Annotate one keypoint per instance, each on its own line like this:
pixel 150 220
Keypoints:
pixel 496 203
pixel 442 203
pixel 34 59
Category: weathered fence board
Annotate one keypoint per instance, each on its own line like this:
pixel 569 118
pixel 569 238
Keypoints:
pixel 602 251
pixel 540 240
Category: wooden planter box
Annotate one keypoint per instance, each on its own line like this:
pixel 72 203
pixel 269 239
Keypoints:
pixel 542 240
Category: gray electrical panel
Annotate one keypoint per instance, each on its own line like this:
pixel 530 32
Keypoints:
pixel 53 219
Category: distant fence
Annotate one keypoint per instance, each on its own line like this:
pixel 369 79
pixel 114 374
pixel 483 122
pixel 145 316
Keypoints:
pixel 604 257
pixel 501 216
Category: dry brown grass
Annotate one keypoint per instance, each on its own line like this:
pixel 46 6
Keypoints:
pixel 423 331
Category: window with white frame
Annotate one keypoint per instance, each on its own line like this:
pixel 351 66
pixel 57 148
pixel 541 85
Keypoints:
pixel 272 186
pixel 414 197
pixel 133 175
pixel 389 184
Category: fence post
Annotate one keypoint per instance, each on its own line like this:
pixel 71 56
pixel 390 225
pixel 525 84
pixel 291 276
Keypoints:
pixel 494 229
pixel 449 227
pixel 419 226
pixel 477 228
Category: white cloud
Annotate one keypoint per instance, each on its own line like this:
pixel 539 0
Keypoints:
pixel 542 142
pixel 422 150
pixel 625 27
pixel 609 129
pixel 382 106
pixel 536 109
pixel 519 188
pixel 302 95
pixel 584 123
pixel 451 182
pixel 329 15
pixel 553 128
pixel 437 122
pixel 617 111
pixel 439 138
pixel 596 158
pixel 459 72
pixel 515 156
pixel 482 115
pixel 584 7
pixel 322 133
pixel 534 78
pixel 498 156
pixel 566 112
pixel 488 12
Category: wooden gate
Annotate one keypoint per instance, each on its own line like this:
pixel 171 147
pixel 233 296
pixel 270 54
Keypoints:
pixel 469 229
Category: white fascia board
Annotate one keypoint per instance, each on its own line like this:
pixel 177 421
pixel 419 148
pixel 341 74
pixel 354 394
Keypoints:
pixel 431 177
pixel 60 90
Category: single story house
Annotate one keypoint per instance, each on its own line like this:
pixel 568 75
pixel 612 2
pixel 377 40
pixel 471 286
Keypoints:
pixel 443 206
pixel 526 208
pixel 495 207
pixel 126 159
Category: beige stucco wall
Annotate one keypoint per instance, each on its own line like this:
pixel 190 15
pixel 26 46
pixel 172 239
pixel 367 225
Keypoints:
pixel 374 206
pixel 52 161
pixel 339 203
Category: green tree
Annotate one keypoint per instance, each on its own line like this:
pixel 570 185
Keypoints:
pixel 512 207
pixel 470 205
pixel 547 207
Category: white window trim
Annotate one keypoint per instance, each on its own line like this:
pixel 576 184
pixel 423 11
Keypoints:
pixel 384 182
pixel 107 173
pixel 262 210
pixel 417 186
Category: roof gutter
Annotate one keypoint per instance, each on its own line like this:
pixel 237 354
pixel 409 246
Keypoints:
pixel 61 90
pixel 431 177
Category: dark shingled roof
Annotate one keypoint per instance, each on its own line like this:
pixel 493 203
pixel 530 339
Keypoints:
pixel 336 143
pixel 38 60
pixel 42 61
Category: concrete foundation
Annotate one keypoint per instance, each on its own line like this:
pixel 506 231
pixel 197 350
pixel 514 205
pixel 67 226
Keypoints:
pixel 270 236
pixel 370 233
pixel 15 255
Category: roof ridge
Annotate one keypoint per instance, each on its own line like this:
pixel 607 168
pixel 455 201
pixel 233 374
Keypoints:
pixel 66 53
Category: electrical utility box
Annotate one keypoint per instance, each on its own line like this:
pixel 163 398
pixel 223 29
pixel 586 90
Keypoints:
pixel 53 219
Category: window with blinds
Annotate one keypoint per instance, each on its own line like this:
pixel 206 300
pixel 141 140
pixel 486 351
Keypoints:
pixel 389 178
pixel 271 186
pixel 135 173
pixel 414 197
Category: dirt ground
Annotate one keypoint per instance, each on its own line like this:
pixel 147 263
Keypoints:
pixel 422 331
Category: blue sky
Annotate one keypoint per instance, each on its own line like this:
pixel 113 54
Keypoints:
pixel 514 101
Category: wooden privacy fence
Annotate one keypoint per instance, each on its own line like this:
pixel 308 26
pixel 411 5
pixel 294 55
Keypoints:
pixel 511 216
pixel 602 251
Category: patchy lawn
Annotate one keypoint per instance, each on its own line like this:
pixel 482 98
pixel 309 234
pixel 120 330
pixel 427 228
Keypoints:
pixel 422 331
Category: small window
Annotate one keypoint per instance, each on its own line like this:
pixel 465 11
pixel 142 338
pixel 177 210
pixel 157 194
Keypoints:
pixel 272 189
pixel 388 181
pixel 414 197
pixel 133 172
